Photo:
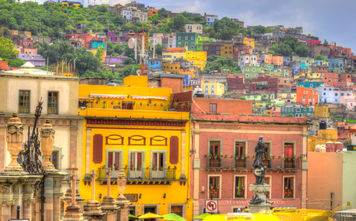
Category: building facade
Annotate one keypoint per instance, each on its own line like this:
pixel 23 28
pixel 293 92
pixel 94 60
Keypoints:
pixel 224 152
pixel 129 128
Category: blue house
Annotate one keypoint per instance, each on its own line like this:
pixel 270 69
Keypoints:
pixel 96 45
pixel 329 95
pixel 287 60
pixel 310 84
pixel 336 63
pixel 154 65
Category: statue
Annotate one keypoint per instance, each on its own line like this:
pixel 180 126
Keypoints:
pixel 261 152
pixel 259 200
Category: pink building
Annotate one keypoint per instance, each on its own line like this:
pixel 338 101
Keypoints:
pixel 223 151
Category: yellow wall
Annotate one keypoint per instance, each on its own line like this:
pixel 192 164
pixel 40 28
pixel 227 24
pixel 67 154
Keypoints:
pixel 249 42
pixel 324 136
pixel 173 67
pixel 321 111
pixel 177 192
pixel 136 81
pixel 219 88
pixel 199 58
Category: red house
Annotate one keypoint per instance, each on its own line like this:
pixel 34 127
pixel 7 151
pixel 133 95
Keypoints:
pixel 223 151
pixel 307 96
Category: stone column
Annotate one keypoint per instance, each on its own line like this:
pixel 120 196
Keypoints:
pixel 73 212
pixel 121 202
pixel 57 194
pixel 16 200
pixel 6 201
pixel 48 194
pixel 28 200
pixel 14 138
pixel 109 205
pixel 92 209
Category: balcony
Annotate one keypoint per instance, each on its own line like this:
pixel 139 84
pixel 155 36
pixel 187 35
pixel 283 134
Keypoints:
pixel 271 164
pixel 147 176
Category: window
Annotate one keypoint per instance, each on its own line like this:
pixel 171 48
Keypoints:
pixel 214 187
pixel 158 161
pixel 212 108
pixel 55 159
pixel 24 101
pixel 206 89
pixel 268 181
pixel 52 106
pixel 239 187
pixel 267 162
pixel 212 90
pixel 150 209
pixel 214 154
pixel 240 151
pixel 177 210
pixel 288 155
pixel 136 165
pixel 127 105
pixel 288 187
pixel 114 160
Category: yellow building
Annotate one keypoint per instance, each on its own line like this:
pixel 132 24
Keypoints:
pixel 321 111
pixel 213 88
pixel 249 42
pixel 324 137
pixel 314 76
pixel 199 58
pixel 130 128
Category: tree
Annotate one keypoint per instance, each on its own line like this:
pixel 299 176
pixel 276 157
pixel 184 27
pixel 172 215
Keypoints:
pixel 224 29
pixel 326 43
pixel 178 23
pixel 221 63
pixel 159 49
pixel 291 46
pixel 7 49
pixel 86 61
pixel 163 13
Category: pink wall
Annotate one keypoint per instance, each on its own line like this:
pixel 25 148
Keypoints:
pixel 227 201
pixel 324 178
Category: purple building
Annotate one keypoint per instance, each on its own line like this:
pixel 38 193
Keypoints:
pixel 115 60
pixel 36 59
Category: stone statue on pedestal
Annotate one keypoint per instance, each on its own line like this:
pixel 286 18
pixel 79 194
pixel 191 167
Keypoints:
pixel 260 187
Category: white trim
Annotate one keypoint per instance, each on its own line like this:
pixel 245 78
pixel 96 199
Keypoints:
pixel 294 188
pixel 149 97
pixel 270 185
pixel 234 187
pixel 107 95
pixel 220 186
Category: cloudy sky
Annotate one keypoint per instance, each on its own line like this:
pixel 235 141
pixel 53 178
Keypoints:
pixel 333 20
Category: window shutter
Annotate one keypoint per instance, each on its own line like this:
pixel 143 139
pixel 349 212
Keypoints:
pixel 174 150
pixel 98 148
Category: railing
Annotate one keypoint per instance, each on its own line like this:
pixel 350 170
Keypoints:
pixel 52 110
pixel 232 163
pixel 24 109
pixel 168 174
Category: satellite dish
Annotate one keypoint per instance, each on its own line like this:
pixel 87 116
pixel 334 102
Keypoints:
pixel 131 43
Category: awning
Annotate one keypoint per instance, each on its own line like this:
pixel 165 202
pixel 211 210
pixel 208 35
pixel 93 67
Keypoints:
pixel 108 96
pixel 149 97
pixel 149 216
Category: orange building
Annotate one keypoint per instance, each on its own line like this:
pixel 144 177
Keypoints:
pixel 307 96
pixel 227 50
pixel 277 60
pixel 171 67
pixel 152 12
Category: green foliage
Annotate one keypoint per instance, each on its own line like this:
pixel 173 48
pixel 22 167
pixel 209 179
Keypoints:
pixel 221 63
pixel 99 53
pixel 17 62
pixel 225 29
pixel 116 49
pixel 320 57
pixel 290 47
pixel 159 49
pixel 54 21
pixel 163 13
pixel 86 61
pixel 7 49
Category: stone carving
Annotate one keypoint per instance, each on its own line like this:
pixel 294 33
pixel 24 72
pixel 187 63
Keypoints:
pixel 121 184
pixel 14 138
pixel 47 141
